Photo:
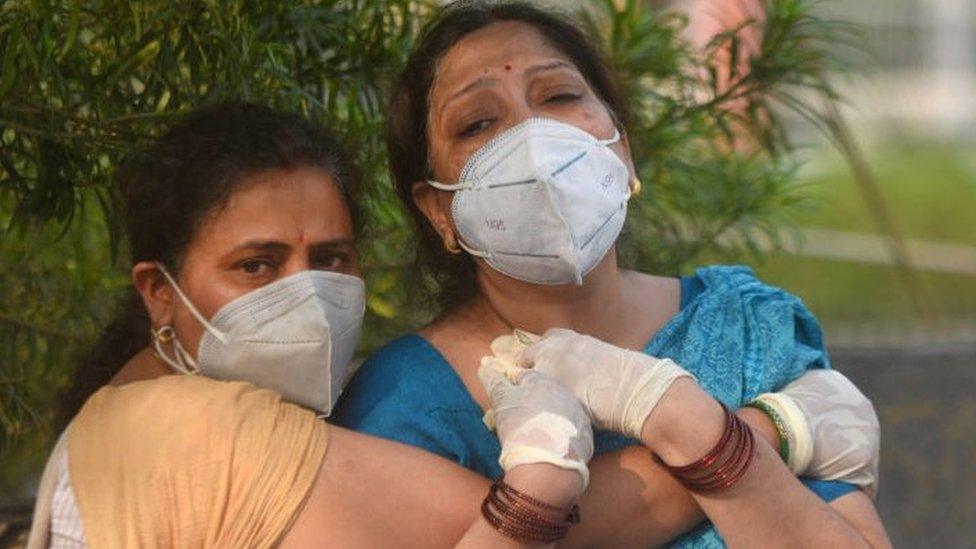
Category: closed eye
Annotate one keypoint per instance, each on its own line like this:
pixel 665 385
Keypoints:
pixel 476 127
pixel 563 97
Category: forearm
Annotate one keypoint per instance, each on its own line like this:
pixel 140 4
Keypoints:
pixel 541 481
pixel 687 423
pixel 634 502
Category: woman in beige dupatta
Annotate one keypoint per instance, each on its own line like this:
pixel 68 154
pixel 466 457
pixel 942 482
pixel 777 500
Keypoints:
pixel 232 200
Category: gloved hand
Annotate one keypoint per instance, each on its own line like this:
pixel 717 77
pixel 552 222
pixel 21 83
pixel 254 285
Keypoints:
pixel 619 388
pixel 537 420
pixel 832 429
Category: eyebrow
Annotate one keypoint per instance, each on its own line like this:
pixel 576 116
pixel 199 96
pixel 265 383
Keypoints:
pixel 480 82
pixel 484 81
pixel 335 243
pixel 261 245
pixel 560 64
pixel 278 246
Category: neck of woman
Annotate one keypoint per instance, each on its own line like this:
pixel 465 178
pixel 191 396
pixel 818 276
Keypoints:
pixel 143 366
pixel 598 307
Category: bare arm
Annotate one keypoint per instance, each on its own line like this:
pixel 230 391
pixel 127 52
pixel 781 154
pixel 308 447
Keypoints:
pixel 642 504
pixel 858 509
pixel 553 485
pixel 751 513
pixel 372 492
pixel 633 502
pixel 377 493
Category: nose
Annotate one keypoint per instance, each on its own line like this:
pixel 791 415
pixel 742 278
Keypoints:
pixel 296 263
pixel 520 110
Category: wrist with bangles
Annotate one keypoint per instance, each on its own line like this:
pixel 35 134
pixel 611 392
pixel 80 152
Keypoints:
pixel 524 518
pixel 778 424
pixel 795 440
pixel 724 465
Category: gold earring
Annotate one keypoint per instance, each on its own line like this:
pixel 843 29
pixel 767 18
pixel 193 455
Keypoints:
pixel 451 243
pixel 164 334
pixel 635 186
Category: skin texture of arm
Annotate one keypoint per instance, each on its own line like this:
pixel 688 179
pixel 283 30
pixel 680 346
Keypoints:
pixel 685 425
pixel 633 502
pixel 380 493
pixel 376 493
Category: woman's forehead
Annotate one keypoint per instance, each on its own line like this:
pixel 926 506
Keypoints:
pixel 503 45
pixel 297 205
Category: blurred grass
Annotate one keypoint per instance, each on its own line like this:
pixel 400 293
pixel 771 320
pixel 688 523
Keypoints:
pixel 931 192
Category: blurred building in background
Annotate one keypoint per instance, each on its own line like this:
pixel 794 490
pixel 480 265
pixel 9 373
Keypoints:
pixel 911 102
pixel 919 78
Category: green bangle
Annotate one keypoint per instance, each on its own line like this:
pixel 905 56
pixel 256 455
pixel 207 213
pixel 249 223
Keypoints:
pixel 784 441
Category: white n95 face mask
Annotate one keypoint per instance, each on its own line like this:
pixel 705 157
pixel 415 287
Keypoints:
pixel 295 336
pixel 543 202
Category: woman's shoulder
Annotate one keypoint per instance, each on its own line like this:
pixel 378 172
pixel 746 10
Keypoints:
pixel 408 361
pixel 186 398
pixel 737 291
pixel 731 278
pixel 738 284
pixel 408 392
pixel 407 373
pixel 738 321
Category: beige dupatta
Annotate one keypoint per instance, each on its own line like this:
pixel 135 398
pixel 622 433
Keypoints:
pixel 186 461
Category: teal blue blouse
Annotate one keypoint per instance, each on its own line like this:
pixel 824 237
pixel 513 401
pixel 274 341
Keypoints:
pixel 739 336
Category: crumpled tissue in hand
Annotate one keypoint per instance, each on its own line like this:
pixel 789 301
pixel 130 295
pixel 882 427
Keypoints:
pixel 504 354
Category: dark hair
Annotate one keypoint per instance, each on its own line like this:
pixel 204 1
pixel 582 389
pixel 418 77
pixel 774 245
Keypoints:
pixel 453 276
pixel 174 184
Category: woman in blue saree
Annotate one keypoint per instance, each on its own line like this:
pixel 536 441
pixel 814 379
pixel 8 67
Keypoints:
pixel 486 84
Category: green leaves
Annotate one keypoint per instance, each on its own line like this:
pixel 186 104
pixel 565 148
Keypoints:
pixel 83 83
pixel 706 131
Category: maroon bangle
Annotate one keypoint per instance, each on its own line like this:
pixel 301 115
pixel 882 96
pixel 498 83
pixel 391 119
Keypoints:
pixel 725 464
pixel 524 518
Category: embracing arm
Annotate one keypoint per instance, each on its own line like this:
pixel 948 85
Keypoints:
pixel 618 388
pixel 374 493
pixel 753 511
pixel 633 502
pixel 377 493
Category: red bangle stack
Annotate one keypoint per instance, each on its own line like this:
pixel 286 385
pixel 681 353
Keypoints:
pixel 524 518
pixel 725 464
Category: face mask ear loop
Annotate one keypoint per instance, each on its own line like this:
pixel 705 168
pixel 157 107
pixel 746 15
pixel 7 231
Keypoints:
pixel 447 186
pixel 635 183
pixel 472 251
pixel 189 305
pixel 179 363
pixel 612 140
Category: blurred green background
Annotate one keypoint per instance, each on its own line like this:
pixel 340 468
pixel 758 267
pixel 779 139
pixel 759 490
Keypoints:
pixel 82 83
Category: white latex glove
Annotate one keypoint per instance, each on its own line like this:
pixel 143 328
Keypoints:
pixel 832 429
pixel 537 420
pixel 618 387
